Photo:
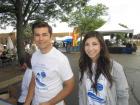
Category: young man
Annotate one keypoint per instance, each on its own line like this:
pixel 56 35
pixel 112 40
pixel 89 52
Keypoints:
pixel 52 78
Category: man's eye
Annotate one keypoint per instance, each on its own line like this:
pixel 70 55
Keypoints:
pixel 36 34
pixel 45 34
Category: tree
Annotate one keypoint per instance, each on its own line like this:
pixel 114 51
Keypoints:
pixel 88 18
pixel 121 36
pixel 19 12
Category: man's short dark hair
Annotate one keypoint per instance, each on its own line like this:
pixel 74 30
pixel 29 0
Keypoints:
pixel 40 24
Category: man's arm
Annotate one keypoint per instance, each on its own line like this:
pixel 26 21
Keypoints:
pixel 30 91
pixel 68 88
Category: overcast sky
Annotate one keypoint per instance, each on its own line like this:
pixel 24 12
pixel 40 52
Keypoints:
pixel 123 11
pixel 120 11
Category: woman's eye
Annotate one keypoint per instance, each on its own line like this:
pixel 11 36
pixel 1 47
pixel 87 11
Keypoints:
pixel 94 44
pixel 86 44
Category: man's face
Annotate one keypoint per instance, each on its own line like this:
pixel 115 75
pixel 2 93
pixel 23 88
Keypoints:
pixel 42 38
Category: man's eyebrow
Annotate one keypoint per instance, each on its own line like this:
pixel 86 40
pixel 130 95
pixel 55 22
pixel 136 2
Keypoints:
pixel 41 33
pixel 45 33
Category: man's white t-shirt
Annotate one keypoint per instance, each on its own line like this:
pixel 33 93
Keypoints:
pixel 50 70
pixel 25 85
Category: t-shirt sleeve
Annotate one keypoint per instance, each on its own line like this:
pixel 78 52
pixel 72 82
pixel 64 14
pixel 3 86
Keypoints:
pixel 65 69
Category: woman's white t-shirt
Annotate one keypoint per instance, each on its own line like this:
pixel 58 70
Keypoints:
pixel 101 96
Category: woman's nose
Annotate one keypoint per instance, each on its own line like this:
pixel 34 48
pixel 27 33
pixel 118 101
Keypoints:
pixel 90 47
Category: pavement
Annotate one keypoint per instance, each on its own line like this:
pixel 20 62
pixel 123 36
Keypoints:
pixel 130 62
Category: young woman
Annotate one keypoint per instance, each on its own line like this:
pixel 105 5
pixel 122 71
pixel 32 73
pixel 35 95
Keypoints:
pixel 102 79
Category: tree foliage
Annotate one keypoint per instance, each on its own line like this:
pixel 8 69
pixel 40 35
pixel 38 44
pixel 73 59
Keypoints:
pixel 19 12
pixel 88 18
pixel 123 25
pixel 121 36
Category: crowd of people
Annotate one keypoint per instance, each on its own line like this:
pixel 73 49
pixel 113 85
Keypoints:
pixel 49 79
pixel 7 55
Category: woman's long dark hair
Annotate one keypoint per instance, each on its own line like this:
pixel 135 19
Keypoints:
pixel 103 63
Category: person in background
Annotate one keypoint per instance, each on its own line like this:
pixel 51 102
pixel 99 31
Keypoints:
pixel 134 47
pixel 1 49
pixel 52 78
pixel 102 79
pixel 25 65
pixel 33 48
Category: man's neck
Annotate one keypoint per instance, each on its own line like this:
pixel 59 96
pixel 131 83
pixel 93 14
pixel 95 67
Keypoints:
pixel 46 50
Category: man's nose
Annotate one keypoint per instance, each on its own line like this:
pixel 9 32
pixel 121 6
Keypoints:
pixel 40 37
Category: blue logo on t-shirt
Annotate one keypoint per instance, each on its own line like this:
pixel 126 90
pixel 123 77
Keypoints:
pixel 99 87
pixel 39 78
pixel 95 97
pixel 43 74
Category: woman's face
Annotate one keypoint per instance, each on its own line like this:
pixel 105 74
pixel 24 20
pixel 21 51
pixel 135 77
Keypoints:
pixel 92 48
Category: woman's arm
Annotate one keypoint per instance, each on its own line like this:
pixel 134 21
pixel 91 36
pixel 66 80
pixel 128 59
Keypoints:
pixel 122 88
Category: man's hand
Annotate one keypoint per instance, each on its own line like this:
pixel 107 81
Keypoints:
pixel 26 104
pixel 68 88
pixel 46 103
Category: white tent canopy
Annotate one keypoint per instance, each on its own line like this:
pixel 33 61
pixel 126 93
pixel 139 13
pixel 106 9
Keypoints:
pixel 109 27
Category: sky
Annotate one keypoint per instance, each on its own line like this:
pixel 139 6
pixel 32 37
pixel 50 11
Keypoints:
pixel 61 27
pixel 120 11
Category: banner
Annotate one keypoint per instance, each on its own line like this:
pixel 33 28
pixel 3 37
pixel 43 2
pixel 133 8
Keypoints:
pixel 75 36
